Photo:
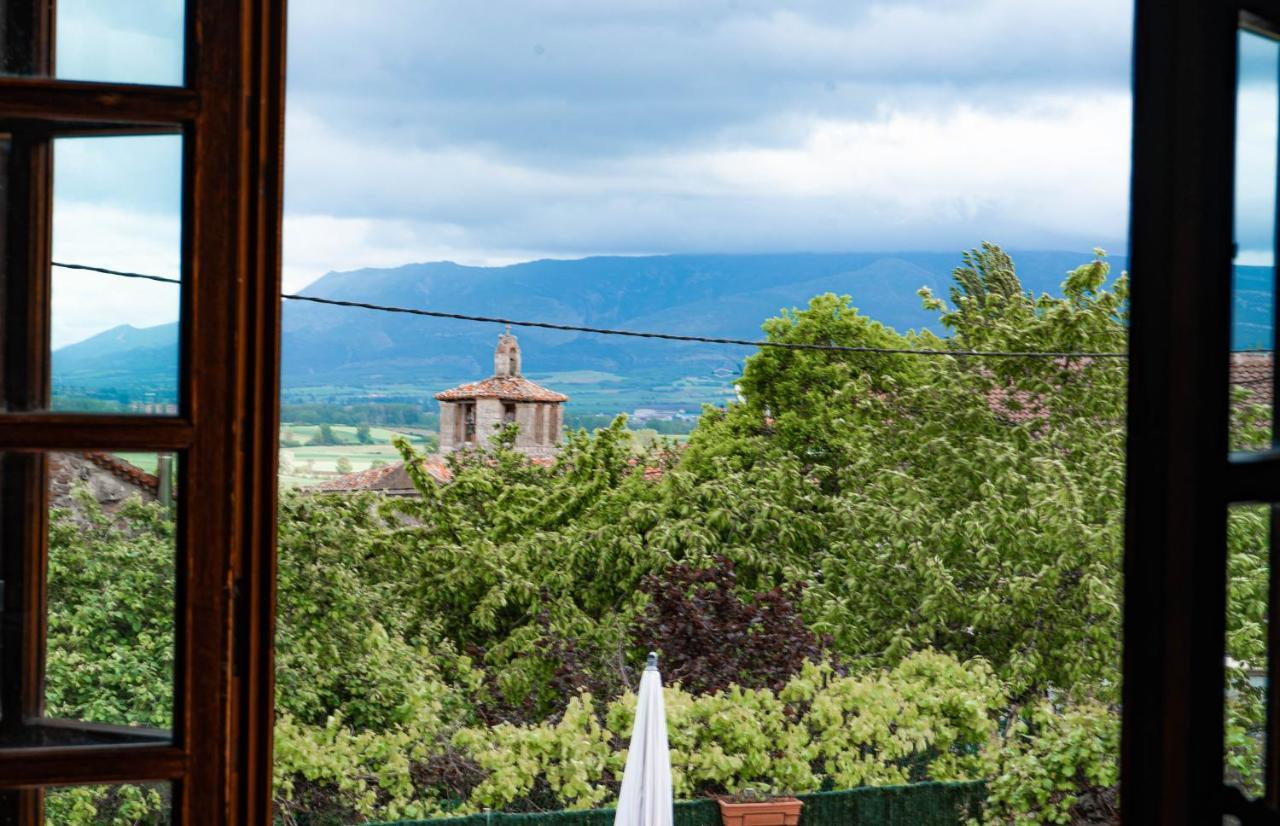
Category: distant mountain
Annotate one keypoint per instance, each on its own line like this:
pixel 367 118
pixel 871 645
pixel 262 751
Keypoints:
pixel 335 353
pixel 126 363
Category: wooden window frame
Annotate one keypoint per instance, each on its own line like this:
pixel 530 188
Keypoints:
pixel 230 114
pixel 1180 478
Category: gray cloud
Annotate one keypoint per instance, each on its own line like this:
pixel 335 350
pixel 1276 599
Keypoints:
pixel 568 79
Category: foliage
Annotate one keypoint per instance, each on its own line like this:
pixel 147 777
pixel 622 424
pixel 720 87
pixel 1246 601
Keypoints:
pixel 324 436
pixel 111 619
pixel 711 637
pixel 929 717
pixel 110 641
pixel 873 568
pixel 1050 758
pixel 128 805
pixel 382 414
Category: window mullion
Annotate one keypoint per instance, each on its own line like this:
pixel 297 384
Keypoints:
pixel 24 251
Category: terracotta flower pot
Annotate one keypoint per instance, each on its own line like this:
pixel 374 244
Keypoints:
pixel 782 811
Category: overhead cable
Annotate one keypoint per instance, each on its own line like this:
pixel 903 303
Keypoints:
pixel 604 331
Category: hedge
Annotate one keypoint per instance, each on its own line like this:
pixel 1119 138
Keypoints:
pixel 917 804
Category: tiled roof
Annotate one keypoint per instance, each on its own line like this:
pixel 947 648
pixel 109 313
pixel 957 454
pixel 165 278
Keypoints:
pixel 389 479
pixel 124 471
pixel 1252 372
pixel 507 388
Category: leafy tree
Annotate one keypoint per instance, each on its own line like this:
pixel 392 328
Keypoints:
pixel 111 619
pixel 343 465
pixel 363 435
pixel 324 436
pixel 938 538
pixel 712 638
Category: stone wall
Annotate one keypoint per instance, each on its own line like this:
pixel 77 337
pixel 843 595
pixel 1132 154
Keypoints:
pixel 109 487
pixel 490 414
pixel 488 419
pixel 449 413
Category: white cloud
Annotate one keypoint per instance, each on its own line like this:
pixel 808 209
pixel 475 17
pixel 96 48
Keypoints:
pixel 1051 172
pixel 86 303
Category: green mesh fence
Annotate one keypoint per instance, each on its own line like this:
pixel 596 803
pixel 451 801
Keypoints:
pixel 919 804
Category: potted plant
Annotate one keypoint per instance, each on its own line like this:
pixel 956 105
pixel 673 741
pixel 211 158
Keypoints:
pixel 751 808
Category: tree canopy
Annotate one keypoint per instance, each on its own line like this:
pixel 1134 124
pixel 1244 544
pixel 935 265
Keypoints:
pixel 939 536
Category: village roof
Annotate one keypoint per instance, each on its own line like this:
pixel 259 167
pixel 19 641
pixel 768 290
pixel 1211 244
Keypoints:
pixel 392 480
pixel 1250 371
pixel 124 470
pixel 506 388
pixel 1253 372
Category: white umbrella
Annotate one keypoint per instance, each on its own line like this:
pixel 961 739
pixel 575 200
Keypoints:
pixel 645 799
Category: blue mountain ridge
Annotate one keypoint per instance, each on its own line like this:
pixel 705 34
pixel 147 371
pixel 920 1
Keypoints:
pixel 334 352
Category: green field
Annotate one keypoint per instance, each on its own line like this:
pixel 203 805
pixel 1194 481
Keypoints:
pixel 309 464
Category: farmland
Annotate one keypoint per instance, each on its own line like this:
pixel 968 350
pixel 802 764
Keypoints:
pixel 304 463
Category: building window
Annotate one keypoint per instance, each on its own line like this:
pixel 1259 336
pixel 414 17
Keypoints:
pixel 508 412
pixel 468 422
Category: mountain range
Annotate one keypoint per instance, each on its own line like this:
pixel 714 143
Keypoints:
pixel 342 354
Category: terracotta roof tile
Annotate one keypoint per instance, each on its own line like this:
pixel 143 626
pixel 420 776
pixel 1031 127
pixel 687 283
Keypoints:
pixel 507 388
pixel 1250 371
pixel 1253 372
pixel 123 470
pixel 390 479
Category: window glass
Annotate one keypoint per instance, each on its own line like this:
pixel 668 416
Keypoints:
pixel 1248 572
pixel 139 41
pixel 1253 281
pixel 135 804
pixel 114 338
pixel 111 584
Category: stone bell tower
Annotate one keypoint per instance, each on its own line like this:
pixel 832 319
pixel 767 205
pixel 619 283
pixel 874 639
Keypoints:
pixel 471 413
pixel 506 356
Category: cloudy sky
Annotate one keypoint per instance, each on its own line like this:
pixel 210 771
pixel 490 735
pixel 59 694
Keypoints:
pixel 489 132
pixel 513 129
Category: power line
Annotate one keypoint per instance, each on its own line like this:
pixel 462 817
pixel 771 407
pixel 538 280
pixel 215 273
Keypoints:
pixel 604 331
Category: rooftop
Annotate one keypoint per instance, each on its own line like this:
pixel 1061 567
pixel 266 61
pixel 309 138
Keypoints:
pixel 390 479
pixel 506 388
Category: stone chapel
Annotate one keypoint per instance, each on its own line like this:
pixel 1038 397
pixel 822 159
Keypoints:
pixel 470 414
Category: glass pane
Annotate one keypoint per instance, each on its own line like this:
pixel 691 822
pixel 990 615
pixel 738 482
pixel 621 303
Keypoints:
pixel 1253 282
pixel 140 41
pixel 111 579
pixel 116 206
pixel 135 804
pixel 1248 572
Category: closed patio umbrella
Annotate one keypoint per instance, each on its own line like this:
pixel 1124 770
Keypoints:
pixel 645 798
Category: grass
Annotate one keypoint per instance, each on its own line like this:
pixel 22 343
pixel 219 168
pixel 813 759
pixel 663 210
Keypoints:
pixel 346 434
pixel 308 464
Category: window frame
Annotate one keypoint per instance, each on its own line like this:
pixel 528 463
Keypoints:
pixel 230 112
pixel 1180 477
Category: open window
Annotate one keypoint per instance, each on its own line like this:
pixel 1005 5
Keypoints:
pixel 469 422
pixel 1205 143
pixel 201 446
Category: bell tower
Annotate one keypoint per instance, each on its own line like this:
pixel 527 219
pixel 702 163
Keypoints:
pixel 506 357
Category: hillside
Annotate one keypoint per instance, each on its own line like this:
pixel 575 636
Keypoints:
pixel 336 354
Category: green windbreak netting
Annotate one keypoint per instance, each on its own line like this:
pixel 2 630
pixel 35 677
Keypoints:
pixel 919 804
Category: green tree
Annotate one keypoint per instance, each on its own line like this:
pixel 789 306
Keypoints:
pixel 954 522
pixel 343 465
pixel 324 436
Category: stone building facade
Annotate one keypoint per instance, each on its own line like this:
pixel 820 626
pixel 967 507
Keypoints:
pixel 471 413
pixel 109 479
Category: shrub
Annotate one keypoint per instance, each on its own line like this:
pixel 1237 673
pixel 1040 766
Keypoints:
pixel 711 636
